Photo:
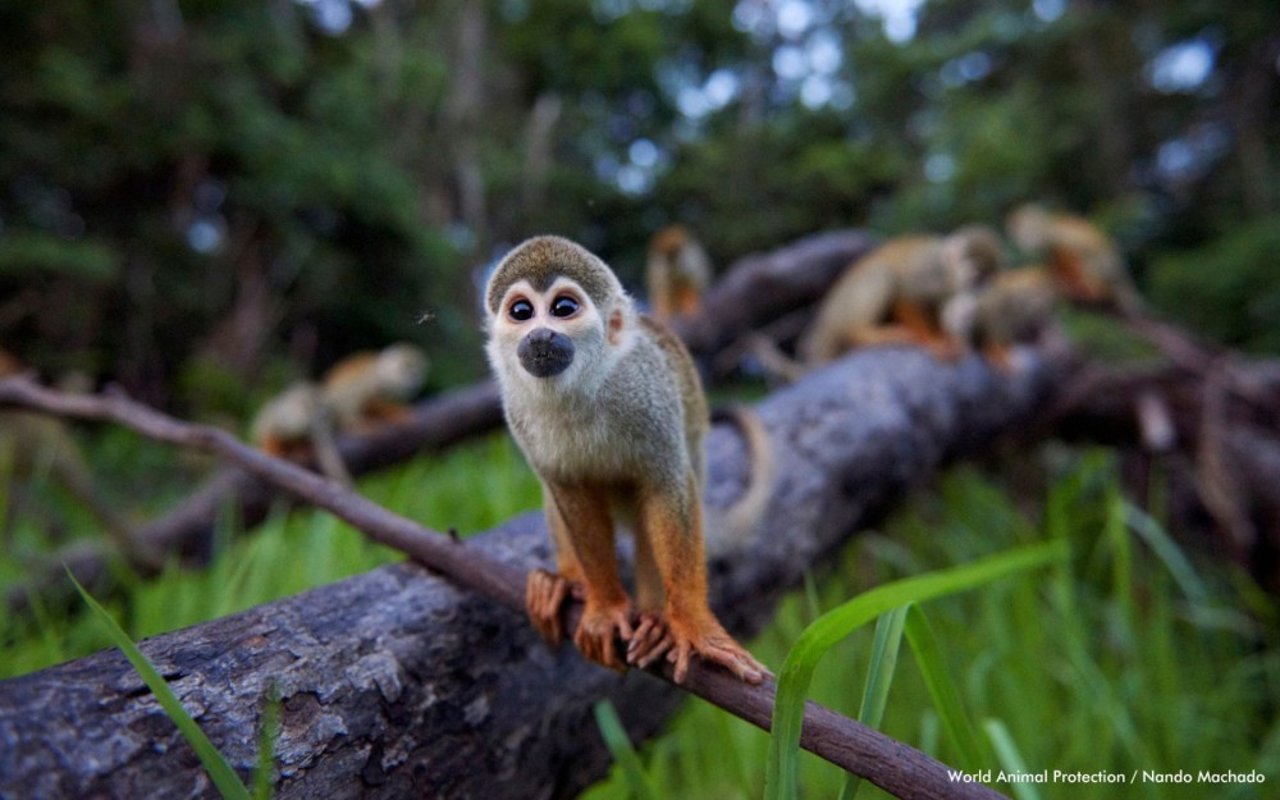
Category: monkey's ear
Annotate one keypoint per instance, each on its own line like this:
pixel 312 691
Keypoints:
pixel 616 322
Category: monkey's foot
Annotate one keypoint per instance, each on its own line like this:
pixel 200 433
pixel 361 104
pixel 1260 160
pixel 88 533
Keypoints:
pixel 544 594
pixel 655 636
pixel 650 641
pixel 944 349
pixel 598 633
pixel 998 356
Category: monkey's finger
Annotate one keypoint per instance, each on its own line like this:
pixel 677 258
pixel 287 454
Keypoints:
pixel 643 633
pixel 679 655
pixel 544 594
pixel 736 660
pixel 656 651
pixel 650 641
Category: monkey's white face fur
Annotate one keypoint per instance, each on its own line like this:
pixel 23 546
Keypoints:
pixel 550 343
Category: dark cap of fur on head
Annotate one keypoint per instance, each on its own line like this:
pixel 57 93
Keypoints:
pixel 542 259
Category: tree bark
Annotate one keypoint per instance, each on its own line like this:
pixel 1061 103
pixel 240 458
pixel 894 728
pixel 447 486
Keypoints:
pixel 394 683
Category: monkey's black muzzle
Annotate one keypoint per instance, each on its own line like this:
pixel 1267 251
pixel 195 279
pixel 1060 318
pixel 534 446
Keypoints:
pixel 545 353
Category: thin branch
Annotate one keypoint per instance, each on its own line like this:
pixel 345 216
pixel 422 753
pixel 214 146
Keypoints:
pixel 892 765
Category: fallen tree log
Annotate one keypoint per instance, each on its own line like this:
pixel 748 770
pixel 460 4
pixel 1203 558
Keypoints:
pixel 754 291
pixel 394 683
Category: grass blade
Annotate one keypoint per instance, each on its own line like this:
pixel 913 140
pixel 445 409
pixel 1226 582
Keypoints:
pixel 224 777
pixel 875 693
pixel 264 773
pixel 835 625
pixel 1179 567
pixel 615 738
pixel 942 689
pixel 1010 759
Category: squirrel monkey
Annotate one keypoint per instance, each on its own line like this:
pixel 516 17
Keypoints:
pixel 1012 309
pixel 608 409
pixel 1082 259
pixel 296 425
pixel 33 444
pixel 677 272
pixel 895 294
pixel 370 388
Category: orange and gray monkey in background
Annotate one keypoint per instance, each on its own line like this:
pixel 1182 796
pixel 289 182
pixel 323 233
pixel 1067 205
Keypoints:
pixel 359 392
pixel 677 272
pixel 893 295
pixel 1084 262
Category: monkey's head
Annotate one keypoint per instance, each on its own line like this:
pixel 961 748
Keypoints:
pixel 556 313
pixel 1028 226
pixel 401 369
pixel 973 255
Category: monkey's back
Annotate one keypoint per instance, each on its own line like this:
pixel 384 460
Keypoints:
pixel 863 296
pixel 693 400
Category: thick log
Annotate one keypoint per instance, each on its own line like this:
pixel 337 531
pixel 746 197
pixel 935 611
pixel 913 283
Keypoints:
pixel 396 684
pixel 760 288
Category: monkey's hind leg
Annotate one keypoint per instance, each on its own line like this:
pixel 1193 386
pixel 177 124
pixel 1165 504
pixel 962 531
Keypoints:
pixel 652 638
pixel 377 413
pixel 673 527
pixel 924 331
pixel 606 615
pixel 545 591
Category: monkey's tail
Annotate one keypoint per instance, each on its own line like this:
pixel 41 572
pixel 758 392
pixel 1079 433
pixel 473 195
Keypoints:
pixel 743 518
pixel 773 360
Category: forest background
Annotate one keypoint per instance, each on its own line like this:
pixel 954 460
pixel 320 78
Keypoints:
pixel 203 201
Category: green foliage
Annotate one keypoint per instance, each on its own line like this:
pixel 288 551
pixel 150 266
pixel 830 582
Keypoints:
pixel 1229 289
pixel 287 554
pixel 875 693
pixel 615 738
pixel 829 629
pixel 1132 655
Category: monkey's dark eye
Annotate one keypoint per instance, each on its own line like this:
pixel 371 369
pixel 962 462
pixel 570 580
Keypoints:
pixel 521 310
pixel 564 306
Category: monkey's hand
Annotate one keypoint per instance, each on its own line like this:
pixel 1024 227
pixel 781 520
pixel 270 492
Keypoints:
pixel 655 636
pixel 599 629
pixel 544 594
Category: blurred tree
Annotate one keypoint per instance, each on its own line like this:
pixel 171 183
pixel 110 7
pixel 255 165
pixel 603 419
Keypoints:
pixel 208 196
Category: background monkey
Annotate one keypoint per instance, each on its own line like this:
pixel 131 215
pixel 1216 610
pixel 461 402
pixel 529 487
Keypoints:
pixel 297 425
pixel 1012 309
pixel 607 407
pixel 366 389
pixel 33 444
pixel 1083 260
pixel 895 294
pixel 677 272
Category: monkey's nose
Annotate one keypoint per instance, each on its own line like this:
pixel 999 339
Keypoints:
pixel 545 353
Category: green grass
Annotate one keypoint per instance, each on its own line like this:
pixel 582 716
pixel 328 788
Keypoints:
pixel 1134 653
pixel 471 488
